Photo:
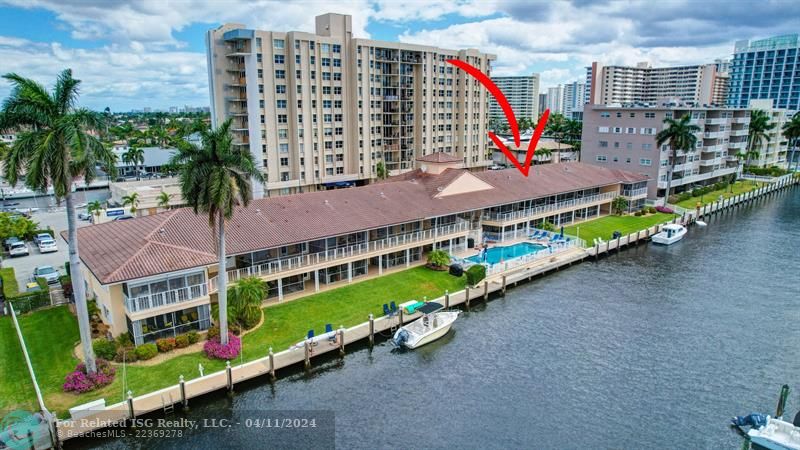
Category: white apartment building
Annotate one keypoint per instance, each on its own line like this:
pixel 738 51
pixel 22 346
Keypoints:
pixel 555 99
pixel 522 93
pixel 573 99
pixel 774 150
pixel 700 84
pixel 320 110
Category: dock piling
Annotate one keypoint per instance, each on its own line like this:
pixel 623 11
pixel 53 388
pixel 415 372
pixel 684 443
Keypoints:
pixel 341 340
pixel 402 319
pixel 307 349
pixel 229 373
pixel 504 285
pixel 371 330
pixel 131 413
pixel 466 292
pixel 446 299
pixel 184 400
pixel 271 365
pixel 485 290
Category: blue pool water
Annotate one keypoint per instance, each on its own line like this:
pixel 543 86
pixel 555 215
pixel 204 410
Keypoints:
pixel 495 254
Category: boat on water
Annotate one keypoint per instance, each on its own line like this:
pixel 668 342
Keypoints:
pixel 773 433
pixel 433 324
pixel 670 234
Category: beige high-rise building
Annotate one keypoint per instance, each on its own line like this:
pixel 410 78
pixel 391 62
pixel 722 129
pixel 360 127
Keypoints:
pixel 321 110
pixel 774 150
pixel 700 84
pixel 522 93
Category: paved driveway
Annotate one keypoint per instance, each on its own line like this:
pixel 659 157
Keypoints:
pixel 24 265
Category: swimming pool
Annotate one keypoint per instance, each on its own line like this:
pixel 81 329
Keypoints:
pixel 495 254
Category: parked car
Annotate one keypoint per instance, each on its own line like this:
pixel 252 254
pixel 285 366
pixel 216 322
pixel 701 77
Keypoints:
pixel 84 216
pixel 47 272
pixel 18 248
pixel 47 246
pixel 40 236
pixel 10 241
pixel 123 217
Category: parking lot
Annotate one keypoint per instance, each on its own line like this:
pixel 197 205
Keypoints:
pixel 24 265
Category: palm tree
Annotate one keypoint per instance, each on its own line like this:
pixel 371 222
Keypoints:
pixel 619 205
pixel 94 208
pixel 214 178
pixel 557 128
pixel 54 146
pixel 246 297
pixel 380 170
pixel 135 156
pixel 132 200
pixel 543 152
pixel 757 134
pixel 680 134
pixel 574 129
pixel 523 124
pixel 791 130
pixel 163 199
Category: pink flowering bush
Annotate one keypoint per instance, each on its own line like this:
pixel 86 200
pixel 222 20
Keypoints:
pixel 79 381
pixel 215 349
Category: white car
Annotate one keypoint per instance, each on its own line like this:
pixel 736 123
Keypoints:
pixel 47 246
pixel 41 236
pixel 47 272
pixel 18 248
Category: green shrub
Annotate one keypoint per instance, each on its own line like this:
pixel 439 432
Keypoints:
pixel 126 354
pixel 438 258
pixel 181 341
pixel 10 287
pixel 213 332
pixel 651 209
pixel 638 213
pixel 475 274
pixel 124 340
pixel 548 226
pixel 103 348
pixel 165 345
pixel 193 337
pixel 146 351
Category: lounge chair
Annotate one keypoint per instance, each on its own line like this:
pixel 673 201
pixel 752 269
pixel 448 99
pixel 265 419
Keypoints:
pixel 310 334
pixel 535 235
pixel 393 307
pixel 386 311
pixel 545 235
pixel 329 329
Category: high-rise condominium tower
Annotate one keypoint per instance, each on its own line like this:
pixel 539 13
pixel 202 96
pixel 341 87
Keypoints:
pixel 325 109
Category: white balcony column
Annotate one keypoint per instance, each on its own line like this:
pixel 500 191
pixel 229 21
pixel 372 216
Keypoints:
pixel 515 231
pixel 280 289
pixel 349 271
pixel 316 280
pixel 502 233
pixel 450 246
pixel 408 257
pixel 465 243
pixel 598 210
pixel 380 264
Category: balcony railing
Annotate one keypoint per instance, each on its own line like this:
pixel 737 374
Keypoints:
pixel 311 259
pixel 166 298
pixel 524 213
pixel 635 192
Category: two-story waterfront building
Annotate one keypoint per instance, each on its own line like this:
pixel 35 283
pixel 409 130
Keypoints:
pixel 156 276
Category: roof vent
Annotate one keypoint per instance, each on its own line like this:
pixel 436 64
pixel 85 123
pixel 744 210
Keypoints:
pixel 440 188
pixel 382 195
pixel 258 211
pixel 161 231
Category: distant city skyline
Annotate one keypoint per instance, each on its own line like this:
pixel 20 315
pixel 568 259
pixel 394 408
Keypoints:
pixel 153 55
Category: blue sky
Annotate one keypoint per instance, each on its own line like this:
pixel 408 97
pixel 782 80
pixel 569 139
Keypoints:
pixel 151 53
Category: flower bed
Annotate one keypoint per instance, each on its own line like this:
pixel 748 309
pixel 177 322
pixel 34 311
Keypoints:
pixel 214 348
pixel 79 381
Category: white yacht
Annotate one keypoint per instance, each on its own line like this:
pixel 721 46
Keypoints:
pixel 431 326
pixel 776 434
pixel 670 234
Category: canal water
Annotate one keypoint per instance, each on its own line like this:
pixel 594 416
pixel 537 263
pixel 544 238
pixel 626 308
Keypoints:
pixel 654 347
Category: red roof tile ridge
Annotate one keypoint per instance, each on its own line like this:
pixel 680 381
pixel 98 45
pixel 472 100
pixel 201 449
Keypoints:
pixel 167 216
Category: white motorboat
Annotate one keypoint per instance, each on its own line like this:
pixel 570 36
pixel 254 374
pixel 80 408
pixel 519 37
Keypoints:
pixel 670 234
pixel 776 434
pixel 433 324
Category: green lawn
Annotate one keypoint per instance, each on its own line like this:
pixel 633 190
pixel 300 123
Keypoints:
pixel 738 187
pixel 16 388
pixel 605 227
pixel 50 335
pixel 284 325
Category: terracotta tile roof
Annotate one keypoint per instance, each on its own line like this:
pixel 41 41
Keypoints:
pixel 439 157
pixel 180 239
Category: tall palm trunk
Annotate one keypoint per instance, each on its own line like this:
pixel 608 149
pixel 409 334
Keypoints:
pixel 78 287
pixel 669 180
pixel 222 282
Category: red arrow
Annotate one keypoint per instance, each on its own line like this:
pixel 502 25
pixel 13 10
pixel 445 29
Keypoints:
pixel 510 117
